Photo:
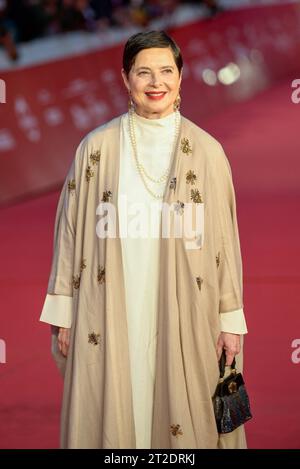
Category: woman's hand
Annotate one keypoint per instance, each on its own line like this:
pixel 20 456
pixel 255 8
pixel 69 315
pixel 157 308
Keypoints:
pixel 232 345
pixel 63 340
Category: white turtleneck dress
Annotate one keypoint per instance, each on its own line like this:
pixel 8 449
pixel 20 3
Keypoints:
pixel 140 255
pixel 155 143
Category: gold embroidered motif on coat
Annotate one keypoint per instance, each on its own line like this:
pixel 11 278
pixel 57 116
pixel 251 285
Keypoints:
pixel 185 146
pixel 106 196
pixel 94 338
pixel 199 281
pixel 71 185
pixel 195 196
pixel 176 430
pixel 101 274
pixel 191 177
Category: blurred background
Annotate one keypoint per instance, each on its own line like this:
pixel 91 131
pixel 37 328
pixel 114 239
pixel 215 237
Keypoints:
pixel 60 63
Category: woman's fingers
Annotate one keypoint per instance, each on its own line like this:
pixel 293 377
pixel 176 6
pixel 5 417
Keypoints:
pixel 232 347
pixel 64 340
pixel 229 357
pixel 231 344
pixel 219 348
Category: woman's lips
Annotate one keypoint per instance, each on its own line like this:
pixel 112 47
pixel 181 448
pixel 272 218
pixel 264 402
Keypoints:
pixel 156 96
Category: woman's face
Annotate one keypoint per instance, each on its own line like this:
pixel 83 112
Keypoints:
pixel 153 82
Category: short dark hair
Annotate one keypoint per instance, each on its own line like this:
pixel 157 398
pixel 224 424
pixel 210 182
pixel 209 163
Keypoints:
pixel 147 40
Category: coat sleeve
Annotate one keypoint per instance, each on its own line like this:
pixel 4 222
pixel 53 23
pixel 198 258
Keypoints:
pixel 228 255
pixel 57 309
pixel 233 322
pixel 61 273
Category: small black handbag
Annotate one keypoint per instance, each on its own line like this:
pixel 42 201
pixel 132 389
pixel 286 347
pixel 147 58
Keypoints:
pixel 231 401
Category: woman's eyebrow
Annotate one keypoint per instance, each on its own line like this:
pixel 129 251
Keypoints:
pixel 148 68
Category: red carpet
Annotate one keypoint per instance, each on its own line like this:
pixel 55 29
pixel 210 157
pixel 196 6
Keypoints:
pixel 261 139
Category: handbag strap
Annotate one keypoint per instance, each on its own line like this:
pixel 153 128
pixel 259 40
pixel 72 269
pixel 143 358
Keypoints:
pixel 222 362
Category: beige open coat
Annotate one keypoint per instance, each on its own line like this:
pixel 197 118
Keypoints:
pixel 195 286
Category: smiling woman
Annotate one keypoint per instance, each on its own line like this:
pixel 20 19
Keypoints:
pixel 139 322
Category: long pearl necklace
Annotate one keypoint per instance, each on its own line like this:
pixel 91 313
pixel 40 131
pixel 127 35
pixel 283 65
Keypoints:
pixel 141 169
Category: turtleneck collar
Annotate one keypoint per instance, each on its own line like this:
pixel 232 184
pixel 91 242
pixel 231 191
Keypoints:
pixel 162 121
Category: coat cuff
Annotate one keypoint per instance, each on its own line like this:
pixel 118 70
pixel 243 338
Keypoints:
pixel 233 322
pixel 57 310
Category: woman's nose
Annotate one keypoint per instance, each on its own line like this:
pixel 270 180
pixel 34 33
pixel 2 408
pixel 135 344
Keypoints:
pixel 155 79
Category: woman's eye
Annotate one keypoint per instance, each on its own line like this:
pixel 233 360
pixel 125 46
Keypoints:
pixel 143 73
pixel 168 70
